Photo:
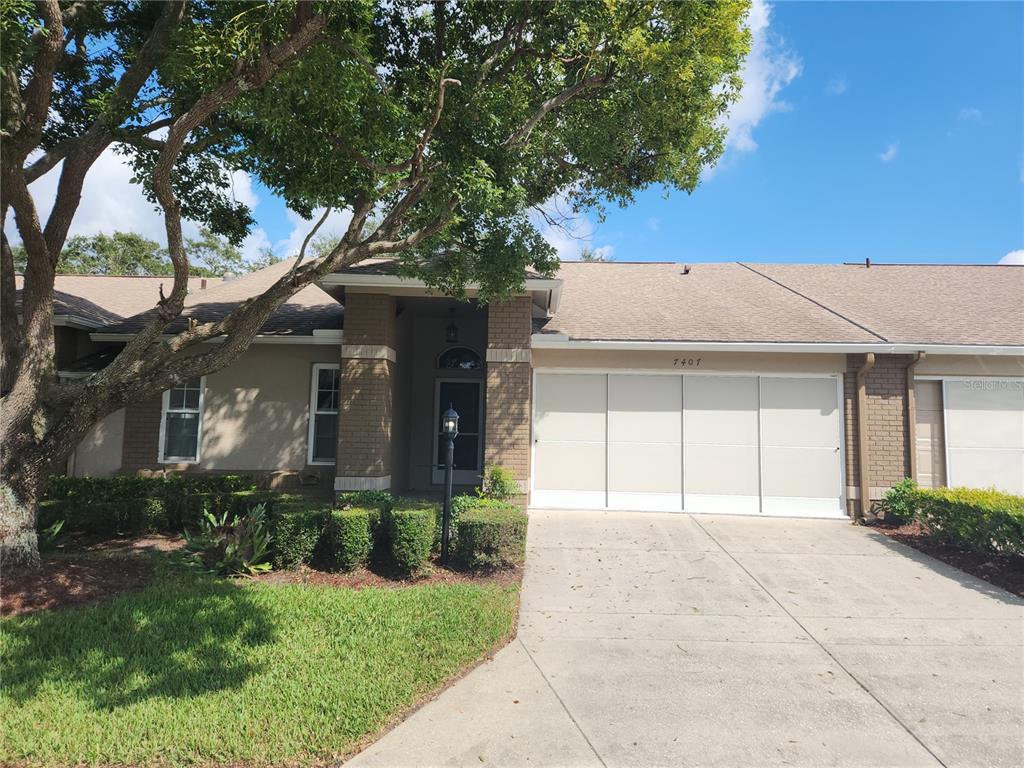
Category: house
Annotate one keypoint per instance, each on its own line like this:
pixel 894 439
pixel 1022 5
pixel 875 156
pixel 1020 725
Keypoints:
pixel 739 388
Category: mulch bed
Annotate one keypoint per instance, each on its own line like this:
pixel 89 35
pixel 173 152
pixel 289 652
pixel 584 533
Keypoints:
pixel 1006 571
pixel 380 577
pixel 64 580
pixel 88 570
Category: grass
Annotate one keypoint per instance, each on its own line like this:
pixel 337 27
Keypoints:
pixel 195 669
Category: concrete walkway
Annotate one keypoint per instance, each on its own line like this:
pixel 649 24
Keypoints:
pixel 650 639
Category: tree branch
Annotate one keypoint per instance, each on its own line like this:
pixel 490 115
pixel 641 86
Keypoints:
pixel 522 134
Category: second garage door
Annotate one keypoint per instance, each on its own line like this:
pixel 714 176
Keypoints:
pixel 700 443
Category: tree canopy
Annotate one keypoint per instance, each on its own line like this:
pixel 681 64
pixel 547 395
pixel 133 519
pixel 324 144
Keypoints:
pixel 442 128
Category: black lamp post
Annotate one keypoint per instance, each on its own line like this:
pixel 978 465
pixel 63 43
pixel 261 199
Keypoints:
pixel 450 429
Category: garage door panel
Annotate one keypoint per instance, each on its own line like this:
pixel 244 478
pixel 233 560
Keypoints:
pixel 720 410
pixel 799 412
pixel 720 470
pixel 799 472
pixel 576 466
pixel 644 409
pixel 645 468
pixel 987 468
pixel 571 408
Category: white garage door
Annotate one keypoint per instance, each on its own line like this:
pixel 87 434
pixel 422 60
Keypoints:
pixel 985 433
pixel 699 443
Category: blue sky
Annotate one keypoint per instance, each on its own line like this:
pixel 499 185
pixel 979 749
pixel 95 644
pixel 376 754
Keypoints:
pixel 890 130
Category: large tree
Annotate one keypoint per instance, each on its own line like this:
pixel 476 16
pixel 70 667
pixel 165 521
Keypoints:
pixel 448 123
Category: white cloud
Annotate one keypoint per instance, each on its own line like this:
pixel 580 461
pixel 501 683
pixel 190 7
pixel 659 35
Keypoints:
pixel 569 233
pixel 1013 257
pixel 890 152
pixel 653 223
pixel 769 68
pixel 336 224
pixel 836 86
pixel 110 202
pixel 972 114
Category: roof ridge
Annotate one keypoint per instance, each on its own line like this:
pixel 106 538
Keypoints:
pixel 813 301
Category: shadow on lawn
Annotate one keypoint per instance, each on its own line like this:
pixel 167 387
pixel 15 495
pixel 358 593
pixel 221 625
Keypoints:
pixel 184 636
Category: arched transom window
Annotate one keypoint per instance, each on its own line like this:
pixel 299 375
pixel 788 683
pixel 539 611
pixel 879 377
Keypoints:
pixel 459 358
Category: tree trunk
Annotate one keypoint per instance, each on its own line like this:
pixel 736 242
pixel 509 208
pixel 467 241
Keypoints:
pixel 19 543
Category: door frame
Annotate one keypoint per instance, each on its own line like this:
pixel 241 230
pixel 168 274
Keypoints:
pixel 837 376
pixel 459 476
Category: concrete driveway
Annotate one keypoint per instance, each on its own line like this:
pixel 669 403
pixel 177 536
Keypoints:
pixel 649 639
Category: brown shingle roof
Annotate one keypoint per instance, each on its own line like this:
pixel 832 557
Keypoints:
pixel 915 304
pixel 103 299
pixel 308 310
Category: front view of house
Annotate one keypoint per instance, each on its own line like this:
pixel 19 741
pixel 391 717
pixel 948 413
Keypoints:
pixel 791 390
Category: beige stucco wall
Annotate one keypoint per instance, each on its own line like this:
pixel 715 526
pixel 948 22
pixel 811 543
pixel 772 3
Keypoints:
pixel 971 365
pixel 99 453
pixel 256 411
pixel 747 362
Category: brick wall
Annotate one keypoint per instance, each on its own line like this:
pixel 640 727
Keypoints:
pixel 508 410
pixel 369 319
pixel 365 413
pixel 366 407
pixel 886 422
pixel 510 323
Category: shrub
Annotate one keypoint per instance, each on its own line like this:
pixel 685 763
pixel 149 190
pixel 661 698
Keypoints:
pixel 901 500
pixel 295 528
pixel 985 520
pixel 499 483
pixel 230 544
pixel 411 534
pixel 382 500
pixel 492 536
pixel 346 539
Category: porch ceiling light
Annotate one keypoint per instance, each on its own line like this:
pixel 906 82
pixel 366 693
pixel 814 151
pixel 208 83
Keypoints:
pixel 451 333
pixel 450 424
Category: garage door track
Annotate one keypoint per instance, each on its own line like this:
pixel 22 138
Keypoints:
pixel 650 639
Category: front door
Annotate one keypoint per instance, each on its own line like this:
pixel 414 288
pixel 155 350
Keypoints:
pixel 466 397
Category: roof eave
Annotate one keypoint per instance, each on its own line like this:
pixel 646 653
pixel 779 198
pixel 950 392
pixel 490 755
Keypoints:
pixel 561 341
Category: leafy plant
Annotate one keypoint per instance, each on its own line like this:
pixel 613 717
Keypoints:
pixel 48 536
pixel 232 544
pixel 296 527
pixel 984 520
pixel 411 536
pixel 900 501
pixel 499 483
pixel 346 540
pixel 492 536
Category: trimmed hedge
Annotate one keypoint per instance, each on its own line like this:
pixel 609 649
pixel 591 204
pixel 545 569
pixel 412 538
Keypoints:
pixel 411 533
pixel 295 529
pixel 985 520
pixel 346 541
pixel 491 535
pixel 124 504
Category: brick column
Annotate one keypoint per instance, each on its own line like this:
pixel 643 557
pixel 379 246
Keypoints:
pixel 366 393
pixel 886 437
pixel 507 428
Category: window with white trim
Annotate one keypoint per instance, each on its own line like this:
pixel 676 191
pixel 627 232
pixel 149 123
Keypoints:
pixel 181 422
pixel 323 414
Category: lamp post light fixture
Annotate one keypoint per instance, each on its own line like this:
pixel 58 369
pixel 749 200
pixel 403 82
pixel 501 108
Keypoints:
pixel 450 429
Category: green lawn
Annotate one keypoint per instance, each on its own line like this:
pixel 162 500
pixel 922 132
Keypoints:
pixel 196 669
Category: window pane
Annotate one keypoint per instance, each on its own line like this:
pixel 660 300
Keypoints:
pixel 464 397
pixel 176 400
pixel 460 357
pixel 192 399
pixel 327 400
pixel 325 436
pixel 467 454
pixel 193 383
pixel 181 435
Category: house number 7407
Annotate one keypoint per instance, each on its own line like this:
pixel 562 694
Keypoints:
pixel 686 362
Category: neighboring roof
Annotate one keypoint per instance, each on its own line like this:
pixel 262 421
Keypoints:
pixel 795 303
pixel 103 299
pixel 308 310
pixel 390 267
